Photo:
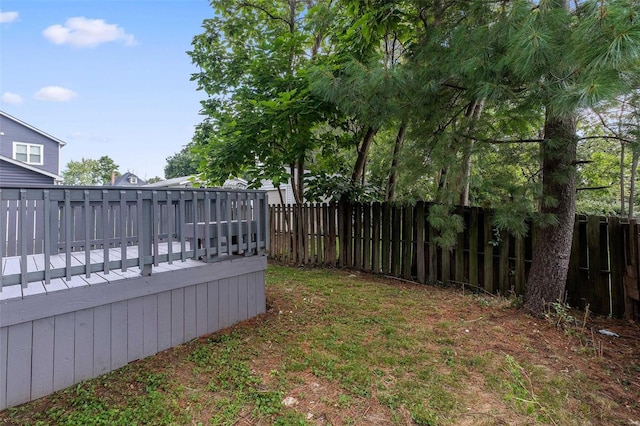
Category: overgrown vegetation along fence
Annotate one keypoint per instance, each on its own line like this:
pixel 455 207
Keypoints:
pixel 397 240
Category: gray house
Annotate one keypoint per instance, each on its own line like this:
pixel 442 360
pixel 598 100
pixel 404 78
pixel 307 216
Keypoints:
pixel 27 154
pixel 129 179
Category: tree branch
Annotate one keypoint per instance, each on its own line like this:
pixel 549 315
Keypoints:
pixel 589 188
pixel 266 12
pixel 495 141
pixel 606 137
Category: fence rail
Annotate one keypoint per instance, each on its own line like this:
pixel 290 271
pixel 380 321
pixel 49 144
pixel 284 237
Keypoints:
pixel 399 241
pixel 55 226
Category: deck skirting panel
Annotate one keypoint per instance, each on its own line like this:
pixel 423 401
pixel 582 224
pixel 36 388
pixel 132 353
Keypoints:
pixel 52 341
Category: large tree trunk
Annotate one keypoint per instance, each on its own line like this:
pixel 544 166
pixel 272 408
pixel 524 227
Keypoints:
pixel 393 174
pixel 363 152
pixel 550 265
pixel 472 115
pixel 622 195
pixel 297 181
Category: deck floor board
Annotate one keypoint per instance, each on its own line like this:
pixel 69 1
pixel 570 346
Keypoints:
pixel 35 263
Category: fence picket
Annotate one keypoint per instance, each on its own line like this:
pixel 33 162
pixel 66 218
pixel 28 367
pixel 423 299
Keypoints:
pixel 488 253
pixel 617 266
pixel 597 298
pixel 407 242
pixel 396 240
pixel 473 247
pixel 366 237
pixel 459 258
pixel 375 237
pixel 433 255
pixel 520 273
pixel 504 270
pixel 357 236
pixel 420 253
pixel 385 250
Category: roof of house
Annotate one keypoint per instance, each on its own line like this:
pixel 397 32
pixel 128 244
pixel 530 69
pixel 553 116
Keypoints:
pixel 125 180
pixel 10 117
pixel 29 167
pixel 177 182
pixel 189 181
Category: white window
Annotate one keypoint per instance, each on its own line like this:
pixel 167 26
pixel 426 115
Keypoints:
pixel 28 153
pixel 133 179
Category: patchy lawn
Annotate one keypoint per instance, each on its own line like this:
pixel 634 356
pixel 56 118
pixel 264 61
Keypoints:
pixel 341 348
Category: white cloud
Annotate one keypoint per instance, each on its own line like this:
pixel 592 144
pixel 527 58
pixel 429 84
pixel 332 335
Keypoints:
pixel 6 17
pixel 83 32
pixel 11 98
pixel 55 94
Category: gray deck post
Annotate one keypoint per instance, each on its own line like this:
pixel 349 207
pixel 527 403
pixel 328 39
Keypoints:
pixel 22 220
pixel 145 228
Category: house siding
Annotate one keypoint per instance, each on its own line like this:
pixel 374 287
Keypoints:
pixel 14 132
pixel 11 174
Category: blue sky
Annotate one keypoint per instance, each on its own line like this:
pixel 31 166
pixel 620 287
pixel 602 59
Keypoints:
pixel 108 77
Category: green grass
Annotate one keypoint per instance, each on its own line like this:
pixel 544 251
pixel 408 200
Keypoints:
pixel 350 350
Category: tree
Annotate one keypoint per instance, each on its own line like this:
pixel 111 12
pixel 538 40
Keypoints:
pixel 90 172
pixel 431 93
pixel 260 117
pixel 569 59
pixel 545 57
pixel 182 163
pixel 107 169
pixel 612 131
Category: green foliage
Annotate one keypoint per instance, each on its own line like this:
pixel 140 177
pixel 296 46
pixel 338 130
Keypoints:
pixel 446 223
pixel 182 163
pixel 286 93
pixel 90 172
pixel 88 405
pixel 261 117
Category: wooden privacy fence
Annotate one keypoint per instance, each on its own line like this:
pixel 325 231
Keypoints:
pixel 397 240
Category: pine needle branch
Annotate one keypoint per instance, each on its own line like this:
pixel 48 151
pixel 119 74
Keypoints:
pixel 621 139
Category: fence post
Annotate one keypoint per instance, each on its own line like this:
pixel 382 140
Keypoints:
pixel 145 229
pixel 22 218
pixel 47 236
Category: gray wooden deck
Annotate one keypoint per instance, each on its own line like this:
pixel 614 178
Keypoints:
pixel 35 263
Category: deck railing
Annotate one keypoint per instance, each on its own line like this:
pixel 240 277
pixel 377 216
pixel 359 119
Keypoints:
pixel 60 231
